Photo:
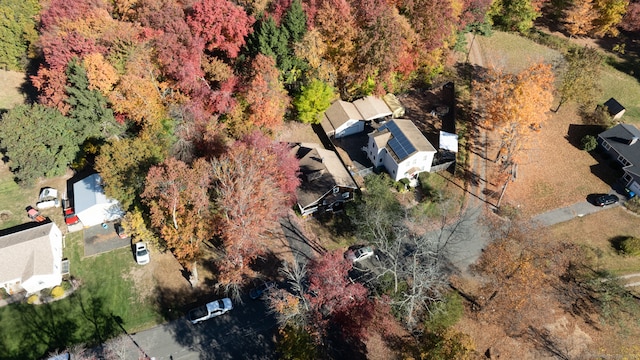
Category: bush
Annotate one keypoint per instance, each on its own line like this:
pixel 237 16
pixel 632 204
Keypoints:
pixel 633 204
pixel 402 185
pixel 630 246
pixel 33 299
pixel 589 143
pixel 57 292
pixel 66 285
pixel 548 40
pixel 445 314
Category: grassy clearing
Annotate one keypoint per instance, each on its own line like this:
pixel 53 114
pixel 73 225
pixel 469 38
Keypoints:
pixel 14 199
pixel 507 51
pixel 514 53
pixel 623 88
pixel 10 94
pixel 107 297
pixel 592 232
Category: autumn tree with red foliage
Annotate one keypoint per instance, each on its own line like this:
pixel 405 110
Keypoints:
pixel 378 44
pixel 58 50
pixel 177 195
pixel 433 20
pixel 221 24
pixel 335 299
pixel 60 41
pixel 254 184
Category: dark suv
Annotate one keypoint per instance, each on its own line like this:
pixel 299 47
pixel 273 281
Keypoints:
pixel 607 199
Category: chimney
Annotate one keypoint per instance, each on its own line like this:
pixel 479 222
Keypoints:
pixel 633 140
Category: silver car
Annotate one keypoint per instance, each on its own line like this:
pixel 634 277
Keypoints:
pixel 210 310
pixel 360 254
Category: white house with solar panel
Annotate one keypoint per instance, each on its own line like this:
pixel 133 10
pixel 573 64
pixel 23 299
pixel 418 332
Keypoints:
pixel 401 149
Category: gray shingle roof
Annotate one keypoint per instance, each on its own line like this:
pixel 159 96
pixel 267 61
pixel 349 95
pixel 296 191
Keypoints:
pixel 620 138
pixel 613 106
pixel 26 253
pixel 371 108
pixel 321 170
pixel 340 112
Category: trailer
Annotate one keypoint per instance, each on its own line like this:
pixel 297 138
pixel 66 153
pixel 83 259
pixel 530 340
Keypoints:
pixel 34 214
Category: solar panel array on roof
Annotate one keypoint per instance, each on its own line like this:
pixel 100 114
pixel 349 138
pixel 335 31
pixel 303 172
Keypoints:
pixel 399 144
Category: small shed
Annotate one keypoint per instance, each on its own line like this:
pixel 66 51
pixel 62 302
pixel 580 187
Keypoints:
pixel 615 109
pixel 91 204
pixel 397 110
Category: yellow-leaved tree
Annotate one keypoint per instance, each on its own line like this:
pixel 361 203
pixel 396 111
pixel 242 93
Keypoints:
pixel 515 106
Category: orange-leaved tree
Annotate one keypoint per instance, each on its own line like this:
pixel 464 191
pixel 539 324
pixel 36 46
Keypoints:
pixel 265 94
pixel 515 105
pixel 178 197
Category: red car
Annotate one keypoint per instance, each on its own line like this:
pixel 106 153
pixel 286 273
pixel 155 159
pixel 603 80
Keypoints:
pixel 70 217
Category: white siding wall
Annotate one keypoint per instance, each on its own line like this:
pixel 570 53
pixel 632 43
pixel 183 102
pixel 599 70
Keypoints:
pixel 349 128
pixel 44 281
pixel 392 167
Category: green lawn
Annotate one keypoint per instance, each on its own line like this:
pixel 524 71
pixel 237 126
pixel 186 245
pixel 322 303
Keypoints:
pixel 13 200
pixel 106 299
pixel 514 53
pixel 623 88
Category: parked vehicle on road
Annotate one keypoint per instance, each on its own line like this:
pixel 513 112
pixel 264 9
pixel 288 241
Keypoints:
pixel 210 310
pixel 607 199
pixel 142 253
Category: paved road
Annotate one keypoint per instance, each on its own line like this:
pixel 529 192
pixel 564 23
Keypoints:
pixel 476 235
pixel 246 332
pixel 303 248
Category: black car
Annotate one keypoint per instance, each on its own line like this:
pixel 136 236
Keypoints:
pixel 607 199
pixel 261 289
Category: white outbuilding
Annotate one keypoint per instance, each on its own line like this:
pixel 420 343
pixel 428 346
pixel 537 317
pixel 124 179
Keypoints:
pixel 92 206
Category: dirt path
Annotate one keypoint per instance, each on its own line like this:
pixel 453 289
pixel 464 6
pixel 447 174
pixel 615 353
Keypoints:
pixel 479 144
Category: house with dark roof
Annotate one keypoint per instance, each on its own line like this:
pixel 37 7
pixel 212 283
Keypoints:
pixel 325 183
pixel 621 143
pixel 615 109
pixel 31 257
pixel 401 148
